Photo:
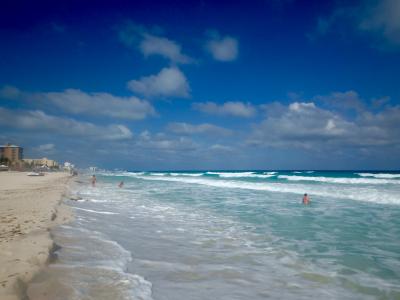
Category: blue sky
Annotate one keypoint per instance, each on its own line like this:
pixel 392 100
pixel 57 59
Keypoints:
pixel 263 84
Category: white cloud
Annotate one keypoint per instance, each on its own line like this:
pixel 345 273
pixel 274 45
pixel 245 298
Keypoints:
pixel 305 125
pixel 343 100
pixel 381 101
pixel 160 142
pixel 379 20
pixel 154 45
pixel 75 101
pixel 38 121
pixel 169 82
pixel 208 129
pixel 382 18
pixel 230 108
pixel 103 104
pixel 150 43
pixel 222 48
pixel 301 124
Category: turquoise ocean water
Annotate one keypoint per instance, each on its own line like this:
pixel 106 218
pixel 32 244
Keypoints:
pixel 231 235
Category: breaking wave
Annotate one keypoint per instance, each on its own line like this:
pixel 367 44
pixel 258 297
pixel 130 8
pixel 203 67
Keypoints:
pixel 342 180
pixel 242 174
pixel 354 193
pixel 379 175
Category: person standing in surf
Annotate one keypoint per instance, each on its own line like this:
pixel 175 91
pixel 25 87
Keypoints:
pixel 94 180
pixel 306 199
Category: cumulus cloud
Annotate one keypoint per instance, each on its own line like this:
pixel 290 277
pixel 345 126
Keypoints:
pixel 382 18
pixel 189 129
pixel 163 143
pixel 154 45
pixel 343 100
pixel 378 19
pixel 230 108
pixel 38 121
pixel 75 101
pixel 222 48
pixel 150 44
pixel 381 101
pixel 305 125
pixel 169 82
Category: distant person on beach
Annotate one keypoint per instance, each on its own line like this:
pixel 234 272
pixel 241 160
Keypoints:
pixel 306 199
pixel 94 180
pixel 121 184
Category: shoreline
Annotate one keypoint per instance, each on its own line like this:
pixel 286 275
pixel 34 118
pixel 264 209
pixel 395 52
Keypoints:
pixel 29 208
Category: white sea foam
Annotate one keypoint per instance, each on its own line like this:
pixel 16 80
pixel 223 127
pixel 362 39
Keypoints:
pixel 220 246
pixel 219 174
pixel 231 174
pixel 262 175
pixel 246 175
pixel 97 201
pixel 187 174
pixel 379 175
pixel 158 174
pixel 97 212
pixel 130 174
pixel 120 174
pixel 241 174
pixel 338 180
pixel 355 193
pixel 88 261
pixel 133 173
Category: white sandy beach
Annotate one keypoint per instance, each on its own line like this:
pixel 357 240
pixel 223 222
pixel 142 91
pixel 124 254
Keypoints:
pixel 29 207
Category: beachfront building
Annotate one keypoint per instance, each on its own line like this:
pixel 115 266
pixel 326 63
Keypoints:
pixel 41 162
pixel 68 166
pixel 11 154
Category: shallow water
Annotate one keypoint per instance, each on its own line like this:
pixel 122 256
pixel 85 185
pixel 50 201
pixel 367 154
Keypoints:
pixel 231 235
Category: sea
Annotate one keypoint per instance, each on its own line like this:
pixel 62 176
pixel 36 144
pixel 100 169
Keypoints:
pixel 229 235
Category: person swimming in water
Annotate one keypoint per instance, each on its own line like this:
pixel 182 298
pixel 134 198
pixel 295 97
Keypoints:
pixel 306 199
pixel 121 184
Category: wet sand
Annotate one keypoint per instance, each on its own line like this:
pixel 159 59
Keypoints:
pixel 29 208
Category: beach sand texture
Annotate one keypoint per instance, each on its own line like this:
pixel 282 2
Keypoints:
pixel 29 207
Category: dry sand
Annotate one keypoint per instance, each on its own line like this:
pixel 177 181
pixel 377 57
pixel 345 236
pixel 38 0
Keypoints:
pixel 29 207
